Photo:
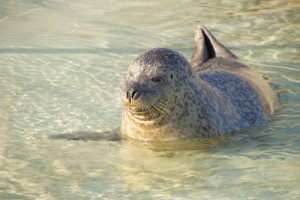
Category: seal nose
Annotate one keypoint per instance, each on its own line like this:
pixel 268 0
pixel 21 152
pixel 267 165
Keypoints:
pixel 132 95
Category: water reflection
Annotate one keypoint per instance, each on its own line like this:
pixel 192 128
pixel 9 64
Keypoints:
pixel 68 50
pixel 60 69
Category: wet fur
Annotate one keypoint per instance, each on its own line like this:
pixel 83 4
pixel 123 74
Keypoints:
pixel 212 95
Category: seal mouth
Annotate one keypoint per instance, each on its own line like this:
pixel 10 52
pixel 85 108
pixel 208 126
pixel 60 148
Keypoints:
pixel 140 110
pixel 149 110
pixel 142 107
pixel 136 110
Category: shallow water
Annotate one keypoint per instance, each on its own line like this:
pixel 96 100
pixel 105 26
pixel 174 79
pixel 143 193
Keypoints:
pixel 61 64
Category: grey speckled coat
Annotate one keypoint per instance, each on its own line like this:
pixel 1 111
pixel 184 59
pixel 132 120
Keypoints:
pixel 168 98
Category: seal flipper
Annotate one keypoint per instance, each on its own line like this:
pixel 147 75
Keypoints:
pixel 206 47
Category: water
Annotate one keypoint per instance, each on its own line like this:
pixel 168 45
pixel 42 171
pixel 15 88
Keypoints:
pixel 61 66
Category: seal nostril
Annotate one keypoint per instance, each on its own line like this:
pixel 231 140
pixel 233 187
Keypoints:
pixel 134 94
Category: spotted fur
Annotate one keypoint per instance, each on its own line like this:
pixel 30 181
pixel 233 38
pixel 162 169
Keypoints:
pixel 167 98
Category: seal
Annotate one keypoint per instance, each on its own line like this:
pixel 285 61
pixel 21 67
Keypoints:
pixel 168 98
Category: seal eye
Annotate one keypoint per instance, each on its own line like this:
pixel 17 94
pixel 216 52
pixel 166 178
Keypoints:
pixel 171 76
pixel 157 79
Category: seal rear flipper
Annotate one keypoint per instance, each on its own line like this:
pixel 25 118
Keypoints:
pixel 206 47
pixel 114 135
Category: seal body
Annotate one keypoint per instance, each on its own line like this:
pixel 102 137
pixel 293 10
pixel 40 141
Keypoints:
pixel 167 98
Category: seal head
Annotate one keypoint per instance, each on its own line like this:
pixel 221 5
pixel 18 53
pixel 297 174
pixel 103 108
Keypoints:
pixel 151 78
pixel 151 82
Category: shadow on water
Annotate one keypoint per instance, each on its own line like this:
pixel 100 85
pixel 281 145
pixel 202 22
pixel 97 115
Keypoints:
pixel 113 135
pixel 204 144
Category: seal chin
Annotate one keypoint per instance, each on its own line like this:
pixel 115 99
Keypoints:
pixel 137 110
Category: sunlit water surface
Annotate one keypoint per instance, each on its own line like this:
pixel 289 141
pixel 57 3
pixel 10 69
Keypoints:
pixel 61 64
